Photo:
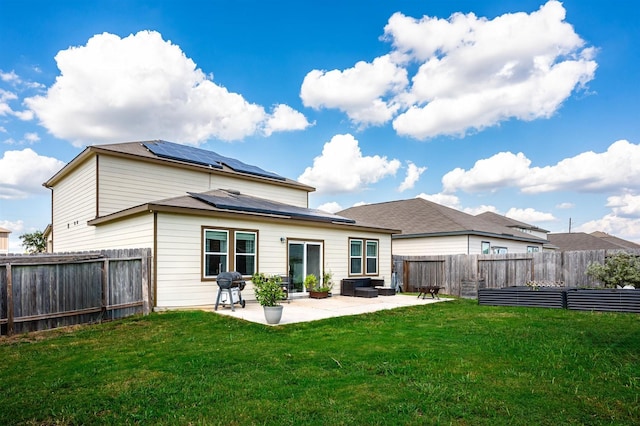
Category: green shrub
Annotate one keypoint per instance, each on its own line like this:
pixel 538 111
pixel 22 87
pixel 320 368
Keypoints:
pixel 619 269
pixel 268 290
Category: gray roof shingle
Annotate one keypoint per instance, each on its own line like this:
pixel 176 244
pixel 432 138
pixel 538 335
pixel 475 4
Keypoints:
pixel 418 216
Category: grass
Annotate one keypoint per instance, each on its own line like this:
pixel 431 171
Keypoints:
pixel 447 363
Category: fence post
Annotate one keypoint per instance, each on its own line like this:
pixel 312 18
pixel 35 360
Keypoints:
pixel 9 301
pixel 144 265
pixel 105 287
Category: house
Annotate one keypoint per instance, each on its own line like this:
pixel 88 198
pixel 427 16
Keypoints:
pixel 574 241
pixel 429 228
pixel 4 241
pixel 201 214
pixel 518 226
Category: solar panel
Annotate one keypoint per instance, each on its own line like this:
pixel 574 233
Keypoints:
pixel 203 157
pixel 245 203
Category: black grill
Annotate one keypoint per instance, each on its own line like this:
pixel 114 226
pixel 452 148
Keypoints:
pixel 233 284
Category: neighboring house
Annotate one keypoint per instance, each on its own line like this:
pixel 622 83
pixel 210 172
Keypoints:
pixel 574 241
pixel 203 214
pixel 615 240
pixel 429 228
pixel 4 241
pixel 48 238
pixel 518 226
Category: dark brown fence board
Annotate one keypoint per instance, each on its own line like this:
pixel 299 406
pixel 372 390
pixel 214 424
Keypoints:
pixel 42 292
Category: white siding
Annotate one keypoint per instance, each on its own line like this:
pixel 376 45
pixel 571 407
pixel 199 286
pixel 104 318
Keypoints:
pixel 74 203
pixel 126 183
pixel 179 255
pixel 512 246
pixel 133 232
pixel 457 244
pixel 424 246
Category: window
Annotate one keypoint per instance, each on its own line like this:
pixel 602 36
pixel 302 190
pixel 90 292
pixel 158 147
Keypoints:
pixel 498 250
pixel 533 249
pixel 229 250
pixel 246 252
pixel 355 257
pixel 363 257
pixel 372 257
pixel 486 247
pixel 216 253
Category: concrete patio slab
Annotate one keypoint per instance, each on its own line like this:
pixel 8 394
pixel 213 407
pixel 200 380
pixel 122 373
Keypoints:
pixel 305 309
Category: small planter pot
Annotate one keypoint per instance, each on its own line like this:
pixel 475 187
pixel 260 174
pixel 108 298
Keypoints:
pixel 273 314
pixel 318 294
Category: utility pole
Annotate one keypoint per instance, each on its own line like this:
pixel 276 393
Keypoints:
pixel 569 225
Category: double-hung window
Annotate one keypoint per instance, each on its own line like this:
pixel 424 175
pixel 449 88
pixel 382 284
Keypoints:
pixel 229 250
pixel 216 252
pixel 363 257
pixel 245 252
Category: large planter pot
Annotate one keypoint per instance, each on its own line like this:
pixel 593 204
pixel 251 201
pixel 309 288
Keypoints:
pixel 318 294
pixel 523 296
pixel 613 300
pixel 273 314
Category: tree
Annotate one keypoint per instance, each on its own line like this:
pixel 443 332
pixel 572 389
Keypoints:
pixel 34 242
pixel 619 269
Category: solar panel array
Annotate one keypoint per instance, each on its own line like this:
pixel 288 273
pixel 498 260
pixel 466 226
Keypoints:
pixel 257 205
pixel 203 157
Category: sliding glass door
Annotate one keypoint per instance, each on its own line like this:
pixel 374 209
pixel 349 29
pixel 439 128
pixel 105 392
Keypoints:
pixel 305 258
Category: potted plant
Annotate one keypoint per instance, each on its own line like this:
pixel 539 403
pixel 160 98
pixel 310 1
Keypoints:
pixel 269 293
pixel 316 289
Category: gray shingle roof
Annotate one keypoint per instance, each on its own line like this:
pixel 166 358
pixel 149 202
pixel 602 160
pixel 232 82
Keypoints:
pixel 615 240
pixel 418 216
pixel 508 222
pixel 570 241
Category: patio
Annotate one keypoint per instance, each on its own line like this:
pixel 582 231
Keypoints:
pixel 304 309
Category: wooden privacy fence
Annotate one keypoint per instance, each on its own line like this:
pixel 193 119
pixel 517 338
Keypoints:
pixel 461 275
pixel 39 292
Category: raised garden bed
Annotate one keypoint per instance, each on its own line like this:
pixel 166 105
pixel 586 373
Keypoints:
pixel 613 300
pixel 544 297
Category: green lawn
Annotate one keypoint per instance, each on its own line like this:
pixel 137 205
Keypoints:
pixel 445 363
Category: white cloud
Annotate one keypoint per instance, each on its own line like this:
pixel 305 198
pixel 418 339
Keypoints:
pixel 413 175
pixel 480 209
pixel 530 215
pixel 357 91
pixel 31 137
pixel 472 73
pixel 628 229
pixel 500 170
pixel 626 205
pixel 14 227
pixel 143 87
pixel 331 207
pixel 342 168
pixel 23 172
pixel 565 206
pixel 285 118
pixel 586 172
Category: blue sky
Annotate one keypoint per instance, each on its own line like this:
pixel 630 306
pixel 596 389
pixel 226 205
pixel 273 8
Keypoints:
pixel 525 108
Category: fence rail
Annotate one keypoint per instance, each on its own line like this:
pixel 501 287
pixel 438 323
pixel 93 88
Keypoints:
pixel 462 275
pixel 39 292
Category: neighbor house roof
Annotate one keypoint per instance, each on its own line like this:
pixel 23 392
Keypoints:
pixel 572 241
pixel 420 217
pixel 615 240
pixel 508 222
pixel 232 203
pixel 177 155
pixel 2 230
